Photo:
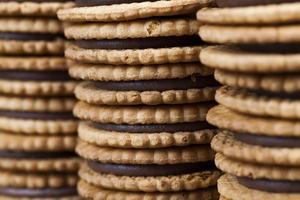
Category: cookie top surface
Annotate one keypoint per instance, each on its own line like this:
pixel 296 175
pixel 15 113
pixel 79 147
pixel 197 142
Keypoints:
pixel 121 12
pixel 249 34
pixel 133 29
pixel 258 103
pixel 233 58
pixel 33 7
pixel 262 14
pixel 255 171
pixel 164 114
pixel 225 118
pixel 285 83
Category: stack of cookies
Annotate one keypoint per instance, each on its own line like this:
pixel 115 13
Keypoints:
pixel 37 129
pixel 259 142
pixel 143 101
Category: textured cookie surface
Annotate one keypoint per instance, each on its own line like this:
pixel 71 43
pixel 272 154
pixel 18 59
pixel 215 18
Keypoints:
pixel 137 140
pixel 26 198
pixel 10 141
pixel 142 114
pixel 133 29
pixel 255 171
pixel 258 104
pixel 229 187
pixel 139 72
pixel 88 92
pixel 225 143
pixel 134 57
pixel 288 83
pixel 89 191
pixel 15 47
pixel 13 179
pixel 269 14
pixel 233 59
pixel 33 63
pixel 123 12
pixel 63 104
pixel 225 118
pixel 33 8
pixel 30 25
pixel 145 156
pixel 70 164
pixel 249 34
pixel 186 182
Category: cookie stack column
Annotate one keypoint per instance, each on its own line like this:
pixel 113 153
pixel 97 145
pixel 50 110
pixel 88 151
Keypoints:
pixel 37 130
pixel 259 146
pixel 143 101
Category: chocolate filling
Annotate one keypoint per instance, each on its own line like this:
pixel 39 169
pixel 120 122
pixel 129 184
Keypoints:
pixel 39 1
pixel 244 3
pixel 35 75
pixel 106 2
pixel 140 43
pixel 153 128
pixel 149 170
pixel 268 141
pixel 36 115
pixel 35 155
pixel 270 94
pixel 158 85
pixel 270 48
pixel 28 36
pixel 35 193
pixel 273 186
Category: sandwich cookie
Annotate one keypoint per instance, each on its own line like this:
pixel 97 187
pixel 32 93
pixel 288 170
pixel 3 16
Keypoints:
pixel 112 10
pixel 149 85
pixel 31 36
pixel 142 42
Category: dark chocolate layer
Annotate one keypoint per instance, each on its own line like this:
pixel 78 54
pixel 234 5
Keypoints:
pixel 153 128
pixel 106 2
pixel 270 48
pixel 282 95
pixel 35 193
pixel 28 36
pixel 140 43
pixel 244 3
pixel 37 115
pixel 273 186
pixel 35 155
pixel 149 170
pixel 268 141
pixel 158 85
pixel 35 75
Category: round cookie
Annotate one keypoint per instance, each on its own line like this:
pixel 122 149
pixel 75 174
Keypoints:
pixel 228 144
pixel 89 191
pixel 229 187
pixel 259 103
pixel 163 183
pixel 272 13
pixel 164 114
pixel 150 85
pixel 249 34
pixel 189 154
pixel 117 11
pixel 224 118
pixel 274 83
pixel 33 8
pixel 142 136
pixel 233 58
